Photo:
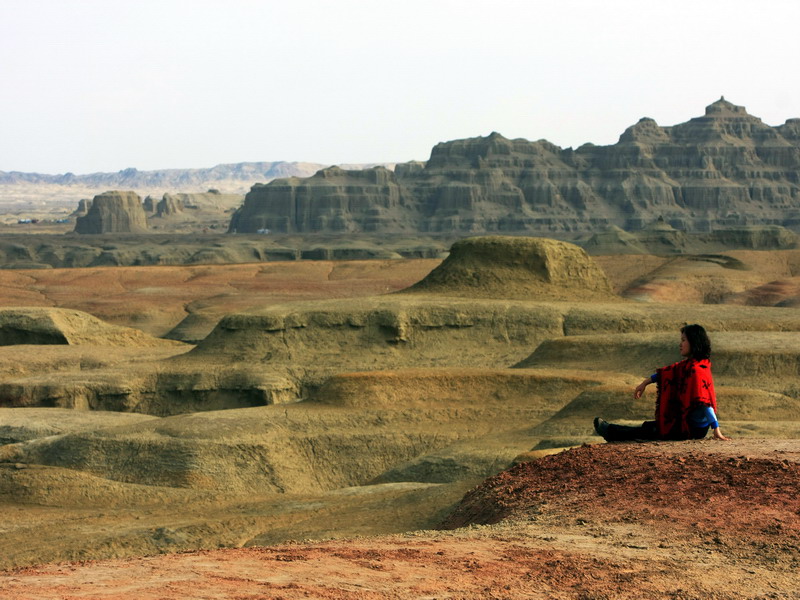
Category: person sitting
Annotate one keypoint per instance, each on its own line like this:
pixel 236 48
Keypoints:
pixel 686 404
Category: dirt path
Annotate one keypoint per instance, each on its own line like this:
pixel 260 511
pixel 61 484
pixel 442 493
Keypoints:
pixel 681 521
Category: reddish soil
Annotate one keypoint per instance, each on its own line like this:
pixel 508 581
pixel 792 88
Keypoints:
pixel 736 495
pixel 681 521
pixel 156 298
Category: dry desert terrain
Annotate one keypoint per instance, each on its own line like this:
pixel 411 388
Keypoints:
pixel 299 429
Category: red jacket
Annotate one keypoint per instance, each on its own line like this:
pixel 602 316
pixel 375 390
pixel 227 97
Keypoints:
pixel 681 387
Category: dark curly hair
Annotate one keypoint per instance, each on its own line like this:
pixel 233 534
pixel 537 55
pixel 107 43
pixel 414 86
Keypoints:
pixel 699 344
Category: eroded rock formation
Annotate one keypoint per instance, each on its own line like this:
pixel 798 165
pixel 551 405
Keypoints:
pixel 724 169
pixel 516 267
pixel 169 205
pixel 83 208
pixel 114 212
pixel 46 325
pixel 333 199
pixel 661 238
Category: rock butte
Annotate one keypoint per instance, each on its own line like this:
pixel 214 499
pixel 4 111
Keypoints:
pixel 113 212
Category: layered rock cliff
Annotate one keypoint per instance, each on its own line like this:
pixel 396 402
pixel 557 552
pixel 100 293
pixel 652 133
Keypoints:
pixel 113 212
pixel 333 199
pixel 724 169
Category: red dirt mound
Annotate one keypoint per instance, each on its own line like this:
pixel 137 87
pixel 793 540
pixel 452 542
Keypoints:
pixel 724 492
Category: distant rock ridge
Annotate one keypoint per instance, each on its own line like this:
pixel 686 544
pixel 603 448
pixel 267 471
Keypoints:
pixel 113 212
pixel 173 178
pixel 724 169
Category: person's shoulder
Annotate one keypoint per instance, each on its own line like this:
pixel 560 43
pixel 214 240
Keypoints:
pixel 701 365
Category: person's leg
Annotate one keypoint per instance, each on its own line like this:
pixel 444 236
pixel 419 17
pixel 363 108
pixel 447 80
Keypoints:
pixel 698 433
pixel 612 432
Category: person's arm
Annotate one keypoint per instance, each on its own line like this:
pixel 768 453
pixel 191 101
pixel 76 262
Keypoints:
pixel 637 393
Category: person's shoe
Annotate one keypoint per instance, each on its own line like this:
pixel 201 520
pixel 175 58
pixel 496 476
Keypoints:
pixel 601 427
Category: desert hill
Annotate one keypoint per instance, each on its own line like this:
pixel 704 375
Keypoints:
pixel 508 267
pixel 20 326
pixel 724 169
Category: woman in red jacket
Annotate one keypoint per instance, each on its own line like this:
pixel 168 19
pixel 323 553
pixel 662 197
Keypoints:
pixel 686 405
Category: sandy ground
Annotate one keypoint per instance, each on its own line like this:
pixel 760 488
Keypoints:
pixel 662 520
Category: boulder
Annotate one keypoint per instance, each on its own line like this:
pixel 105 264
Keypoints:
pixel 114 212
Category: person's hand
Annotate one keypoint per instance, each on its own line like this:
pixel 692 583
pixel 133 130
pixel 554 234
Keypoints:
pixel 718 435
pixel 637 393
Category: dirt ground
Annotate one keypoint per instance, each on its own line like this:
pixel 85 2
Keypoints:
pixel 156 299
pixel 661 520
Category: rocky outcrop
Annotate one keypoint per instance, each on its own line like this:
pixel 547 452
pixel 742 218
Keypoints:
pixel 169 205
pixel 334 199
pixel 154 248
pixel 724 169
pixel 62 326
pixel 114 212
pixel 516 267
pixel 661 238
pixel 83 208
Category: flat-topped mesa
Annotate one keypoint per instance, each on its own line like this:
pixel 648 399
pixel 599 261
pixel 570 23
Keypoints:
pixel 333 199
pixel 516 268
pixel 724 169
pixel 113 212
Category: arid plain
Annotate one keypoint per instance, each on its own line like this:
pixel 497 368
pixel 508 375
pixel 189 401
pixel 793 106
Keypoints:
pixel 327 401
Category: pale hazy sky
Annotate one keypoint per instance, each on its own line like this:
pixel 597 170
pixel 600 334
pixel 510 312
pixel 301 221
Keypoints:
pixel 102 85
